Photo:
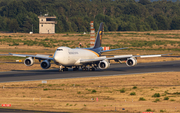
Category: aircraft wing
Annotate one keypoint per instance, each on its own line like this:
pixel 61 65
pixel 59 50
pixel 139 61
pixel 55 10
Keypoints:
pixel 120 57
pixel 38 56
pixel 91 60
pixel 147 56
pixel 104 58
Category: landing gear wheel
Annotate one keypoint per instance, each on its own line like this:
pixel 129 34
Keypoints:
pixel 91 69
pixel 65 69
pixel 75 69
pixel 61 70
pixel 85 69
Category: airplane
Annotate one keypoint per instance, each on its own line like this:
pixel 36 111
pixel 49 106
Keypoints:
pixel 84 58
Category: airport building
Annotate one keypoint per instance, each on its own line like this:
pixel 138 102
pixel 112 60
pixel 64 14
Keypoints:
pixel 47 24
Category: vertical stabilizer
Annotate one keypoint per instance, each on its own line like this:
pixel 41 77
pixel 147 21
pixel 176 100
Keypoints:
pixel 99 36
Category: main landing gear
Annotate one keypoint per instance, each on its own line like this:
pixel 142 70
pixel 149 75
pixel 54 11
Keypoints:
pixel 84 68
pixel 76 68
pixel 90 68
pixel 62 68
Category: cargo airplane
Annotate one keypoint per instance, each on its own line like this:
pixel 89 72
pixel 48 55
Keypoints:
pixel 84 58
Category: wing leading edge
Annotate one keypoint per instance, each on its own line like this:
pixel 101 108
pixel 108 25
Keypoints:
pixel 38 56
pixel 118 57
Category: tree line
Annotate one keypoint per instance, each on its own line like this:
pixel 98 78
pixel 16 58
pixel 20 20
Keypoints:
pixel 75 15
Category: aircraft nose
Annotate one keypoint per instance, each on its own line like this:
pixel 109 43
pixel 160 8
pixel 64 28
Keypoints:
pixel 55 57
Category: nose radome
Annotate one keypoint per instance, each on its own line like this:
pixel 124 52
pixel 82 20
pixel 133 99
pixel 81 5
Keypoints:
pixel 55 57
pixel 56 60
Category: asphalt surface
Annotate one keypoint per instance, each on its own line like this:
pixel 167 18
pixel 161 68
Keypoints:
pixel 3 110
pixel 114 69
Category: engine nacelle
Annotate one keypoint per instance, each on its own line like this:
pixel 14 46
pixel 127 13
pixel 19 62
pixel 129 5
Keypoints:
pixel 29 61
pixel 45 64
pixel 104 64
pixel 131 62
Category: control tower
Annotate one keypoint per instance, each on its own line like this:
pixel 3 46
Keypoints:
pixel 47 24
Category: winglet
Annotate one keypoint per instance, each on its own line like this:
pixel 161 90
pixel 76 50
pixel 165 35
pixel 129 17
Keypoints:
pixel 10 53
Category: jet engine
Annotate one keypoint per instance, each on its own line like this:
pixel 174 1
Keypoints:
pixel 104 64
pixel 131 62
pixel 29 61
pixel 45 64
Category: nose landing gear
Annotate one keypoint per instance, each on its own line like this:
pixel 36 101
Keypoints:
pixel 62 68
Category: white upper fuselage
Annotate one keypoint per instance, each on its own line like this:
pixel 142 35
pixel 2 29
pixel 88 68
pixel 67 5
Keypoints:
pixel 69 57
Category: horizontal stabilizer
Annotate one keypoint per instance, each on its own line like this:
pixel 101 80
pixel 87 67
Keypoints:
pixel 113 49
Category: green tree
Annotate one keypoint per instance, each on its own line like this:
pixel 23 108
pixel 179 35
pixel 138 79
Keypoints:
pixel 13 25
pixel 132 8
pixel 161 22
pixel 144 2
pixel 151 22
pixel 34 6
pixel 175 24
pixel 74 27
pixel 12 9
pixel 75 15
pixel 5 24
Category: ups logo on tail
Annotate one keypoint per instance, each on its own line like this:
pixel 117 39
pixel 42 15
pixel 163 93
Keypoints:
pixel 100 35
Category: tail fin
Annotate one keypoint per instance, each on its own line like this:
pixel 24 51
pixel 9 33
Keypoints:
pixel 99 36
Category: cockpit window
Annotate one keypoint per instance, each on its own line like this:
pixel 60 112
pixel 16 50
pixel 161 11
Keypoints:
pixel 59 49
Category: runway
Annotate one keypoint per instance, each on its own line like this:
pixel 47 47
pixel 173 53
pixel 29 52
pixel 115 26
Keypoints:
pixel 115 69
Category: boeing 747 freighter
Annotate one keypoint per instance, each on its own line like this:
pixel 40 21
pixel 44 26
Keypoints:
pixel 84 58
